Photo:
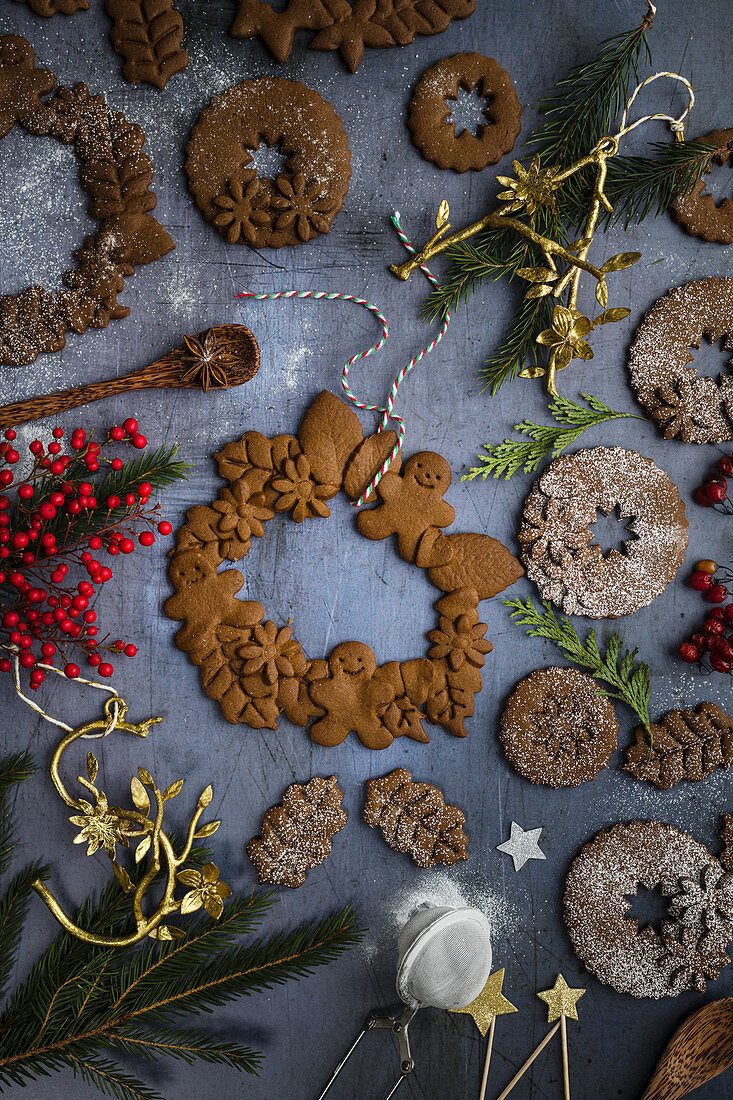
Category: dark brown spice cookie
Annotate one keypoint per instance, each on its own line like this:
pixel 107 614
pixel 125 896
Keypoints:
pixel 148 35
pixel 557 729
pixel 303 201
pixel 412 506
pixel 47 8
pixel 689 949
pixel 297 834
pixel 683 744
pixel 343 26
pixel 116 174
pixel 556 534
pixel 415 819
pixel 430 110
pixel 697 409
pixel 697 211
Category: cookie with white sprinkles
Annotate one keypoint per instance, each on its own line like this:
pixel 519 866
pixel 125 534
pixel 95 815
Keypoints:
pixel 556 532
pixel 695 408
pixel 688 949
pixel 557 728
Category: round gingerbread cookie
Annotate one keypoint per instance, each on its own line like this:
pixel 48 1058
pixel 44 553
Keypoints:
pixel 246 208
pixel 556 533
pixel 557 729
pixel 430 111
pixel 697 211
pixel 688 949
pixel 697 409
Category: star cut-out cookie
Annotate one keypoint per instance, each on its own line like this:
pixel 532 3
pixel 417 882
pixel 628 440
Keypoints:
pixel 490 1003
pixel 522 845
pixel 561 1000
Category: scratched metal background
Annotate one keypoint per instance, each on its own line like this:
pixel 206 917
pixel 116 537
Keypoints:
pixel 335 585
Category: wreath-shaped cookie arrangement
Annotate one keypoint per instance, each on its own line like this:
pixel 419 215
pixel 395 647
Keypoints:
pixel 116 175
pixel 257 670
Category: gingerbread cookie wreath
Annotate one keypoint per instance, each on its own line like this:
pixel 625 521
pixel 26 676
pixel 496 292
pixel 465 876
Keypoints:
pixel 429 117
pixel 117 176
pixel 257 670
pixel 222 177
pixel 690 947
pixel 698 409
pixel 557 532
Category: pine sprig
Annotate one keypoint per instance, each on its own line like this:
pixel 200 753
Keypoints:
pixel 586 103
pixel 639 186
pixel 80 1003
pixel 507 458
pixel 626 679
pixel 519 346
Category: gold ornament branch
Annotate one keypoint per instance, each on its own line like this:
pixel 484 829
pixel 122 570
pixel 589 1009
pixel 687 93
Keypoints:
pixel 102 826
pixel 529 189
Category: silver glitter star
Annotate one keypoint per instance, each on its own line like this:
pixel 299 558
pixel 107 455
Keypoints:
pixel 522 845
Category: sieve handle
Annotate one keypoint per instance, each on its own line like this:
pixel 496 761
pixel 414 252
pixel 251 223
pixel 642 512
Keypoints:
pixel 398 1025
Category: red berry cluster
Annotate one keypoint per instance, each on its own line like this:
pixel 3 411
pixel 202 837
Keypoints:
pixel 712 646
pixel 58 521
pixel 713 493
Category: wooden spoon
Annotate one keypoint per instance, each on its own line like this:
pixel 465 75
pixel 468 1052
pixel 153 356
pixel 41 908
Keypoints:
pixel 700 1049
pixel 232 349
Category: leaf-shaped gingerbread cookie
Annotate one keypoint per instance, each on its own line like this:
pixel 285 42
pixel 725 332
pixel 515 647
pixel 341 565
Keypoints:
pixel 684 744
pixel 148 34
pixel 329 433
pixel 477 562
pixel 296 835
pixel 415 819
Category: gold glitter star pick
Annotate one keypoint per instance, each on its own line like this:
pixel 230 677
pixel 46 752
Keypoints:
pixel 561 1000
pixel 489 1004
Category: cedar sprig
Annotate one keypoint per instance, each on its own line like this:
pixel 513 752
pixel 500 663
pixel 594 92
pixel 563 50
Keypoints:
pixel 82 1005
pixel 507 458
pixel 624 678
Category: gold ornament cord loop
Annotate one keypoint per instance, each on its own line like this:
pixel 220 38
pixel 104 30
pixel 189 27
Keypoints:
pixel 677 125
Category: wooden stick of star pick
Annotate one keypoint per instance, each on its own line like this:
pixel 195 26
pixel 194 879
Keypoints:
pixel 484 1009
pixel 561 1003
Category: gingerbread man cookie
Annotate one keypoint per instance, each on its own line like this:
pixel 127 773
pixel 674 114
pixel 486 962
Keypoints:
pixel 352 698
pixel 199 588
pixel 413 509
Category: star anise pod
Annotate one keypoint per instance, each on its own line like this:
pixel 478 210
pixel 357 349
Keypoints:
pixel 207 362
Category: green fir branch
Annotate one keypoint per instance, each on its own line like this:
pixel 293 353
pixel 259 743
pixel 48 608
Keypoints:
pixel 519 346
pixel 587 103
pixel 641 186
pixel 80 1002
pixel 507 458
pixel 626 679
pixel 14 769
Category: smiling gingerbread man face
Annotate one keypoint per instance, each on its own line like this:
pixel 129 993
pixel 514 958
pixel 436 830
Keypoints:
pixel 428 471
pixel 352 659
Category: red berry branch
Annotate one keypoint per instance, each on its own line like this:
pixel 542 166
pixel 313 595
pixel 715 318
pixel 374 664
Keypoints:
pixel 713 493
pixel 59 520
pixel 711 648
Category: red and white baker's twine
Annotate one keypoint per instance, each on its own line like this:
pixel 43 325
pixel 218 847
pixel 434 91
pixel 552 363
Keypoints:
pixel 386 410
